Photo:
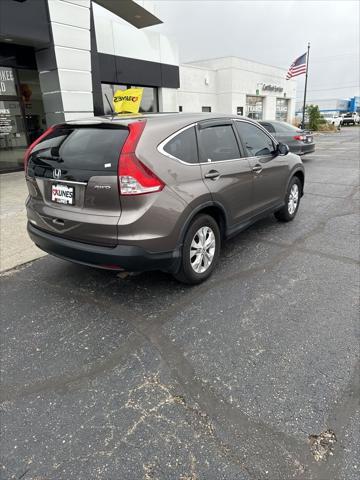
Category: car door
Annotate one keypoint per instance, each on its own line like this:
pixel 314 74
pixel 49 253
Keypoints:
pixel 270 170
pixel 225 170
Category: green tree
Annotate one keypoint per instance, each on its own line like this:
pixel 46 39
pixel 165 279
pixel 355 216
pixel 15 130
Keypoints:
pixel 314 115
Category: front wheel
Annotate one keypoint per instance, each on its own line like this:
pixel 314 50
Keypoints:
pixel 200 250
pixel 292 201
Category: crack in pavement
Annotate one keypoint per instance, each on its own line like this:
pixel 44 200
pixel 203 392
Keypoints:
pixel 330 256
pixel 333 183
pixel 247 439
pixel 337 421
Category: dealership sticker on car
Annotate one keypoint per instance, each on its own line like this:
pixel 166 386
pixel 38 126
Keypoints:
pixel 62 194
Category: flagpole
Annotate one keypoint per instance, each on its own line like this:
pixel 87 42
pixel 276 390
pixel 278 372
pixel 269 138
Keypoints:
pixel 306 78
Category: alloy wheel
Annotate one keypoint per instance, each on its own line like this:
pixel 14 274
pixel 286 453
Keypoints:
pixel 202 249
pixel 293 199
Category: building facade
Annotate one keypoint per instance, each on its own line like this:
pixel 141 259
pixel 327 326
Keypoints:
pixel 333 105
pixel 62 60
pixel 237 86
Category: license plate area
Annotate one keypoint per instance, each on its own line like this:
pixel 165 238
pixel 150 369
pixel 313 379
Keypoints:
pixel 309 139
pixel 63 194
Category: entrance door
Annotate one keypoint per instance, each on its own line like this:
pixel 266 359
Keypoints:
pixel 254 107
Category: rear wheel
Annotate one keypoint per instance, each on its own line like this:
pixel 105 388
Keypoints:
pixel 200 251
pixel 292 201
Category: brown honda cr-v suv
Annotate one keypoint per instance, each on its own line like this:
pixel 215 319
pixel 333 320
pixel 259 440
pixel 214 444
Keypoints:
pixel 155 192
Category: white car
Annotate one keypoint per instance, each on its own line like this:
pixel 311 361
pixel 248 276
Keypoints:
pixel 350 118
pixel 333 119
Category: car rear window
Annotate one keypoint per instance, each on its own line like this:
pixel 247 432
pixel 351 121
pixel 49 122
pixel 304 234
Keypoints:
pixel 284 127
pixel 183 146
pixel 90 148
pixel 268 127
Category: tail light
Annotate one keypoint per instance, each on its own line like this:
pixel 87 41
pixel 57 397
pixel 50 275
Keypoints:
pixel 134 177
pixel 38 140
pixel 300 137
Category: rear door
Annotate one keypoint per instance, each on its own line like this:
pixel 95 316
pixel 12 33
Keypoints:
pixel 73 185
pixel 225 171
pixel 270 171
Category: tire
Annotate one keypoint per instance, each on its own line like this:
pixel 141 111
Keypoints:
pixel 209 230
pixel 289 210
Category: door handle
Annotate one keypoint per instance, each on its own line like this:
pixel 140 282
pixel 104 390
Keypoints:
pixel 257 168
pixel 58 221
pixel 213 174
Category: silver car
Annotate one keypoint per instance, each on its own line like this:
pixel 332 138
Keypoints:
pixel 298 140
pixel 158 191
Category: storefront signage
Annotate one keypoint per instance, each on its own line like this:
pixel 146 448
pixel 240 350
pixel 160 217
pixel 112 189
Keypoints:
pixel 5 122
pixel 254 108
pixel 272 88
pixel 128 101
pixel 7 81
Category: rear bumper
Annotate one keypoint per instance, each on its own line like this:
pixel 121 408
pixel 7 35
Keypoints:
pixel 122 257
pixel 307 148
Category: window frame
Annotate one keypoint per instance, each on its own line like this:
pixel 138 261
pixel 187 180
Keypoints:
pixel 218 123
pixel 263 129
pixel 202 124
pixel 168 139
pixel 127 86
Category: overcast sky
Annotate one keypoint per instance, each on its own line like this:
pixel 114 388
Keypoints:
pixel 272 32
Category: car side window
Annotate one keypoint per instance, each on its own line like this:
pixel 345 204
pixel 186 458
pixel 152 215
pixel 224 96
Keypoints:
pixel 219 143
pixel 183 146
pixel 256 142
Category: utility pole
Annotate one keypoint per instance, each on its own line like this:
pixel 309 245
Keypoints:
pixel 306 79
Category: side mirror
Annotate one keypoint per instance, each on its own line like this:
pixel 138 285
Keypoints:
pixel 283 149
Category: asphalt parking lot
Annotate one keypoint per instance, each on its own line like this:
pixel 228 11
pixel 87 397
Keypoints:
pixel 138 377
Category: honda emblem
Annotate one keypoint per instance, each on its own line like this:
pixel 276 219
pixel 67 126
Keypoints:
pixel 57 173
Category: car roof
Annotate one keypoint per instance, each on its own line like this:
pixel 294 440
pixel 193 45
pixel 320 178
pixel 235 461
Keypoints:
pixel 170 118
pixel 276 122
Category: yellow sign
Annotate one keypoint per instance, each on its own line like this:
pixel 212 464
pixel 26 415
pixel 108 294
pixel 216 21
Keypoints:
pixel 128 101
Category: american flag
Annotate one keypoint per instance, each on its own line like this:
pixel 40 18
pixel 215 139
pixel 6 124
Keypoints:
pixel 298 67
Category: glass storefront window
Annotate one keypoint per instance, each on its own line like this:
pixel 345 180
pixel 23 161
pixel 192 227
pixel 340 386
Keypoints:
pixel 108 91
pixel 22 117
pixel 13 140
pixel 254 107
pixel 7 82
pixel 35 121
pixel 282 109
pixel 149 101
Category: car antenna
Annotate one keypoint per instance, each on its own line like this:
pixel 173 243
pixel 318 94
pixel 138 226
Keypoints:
pixel 111 108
